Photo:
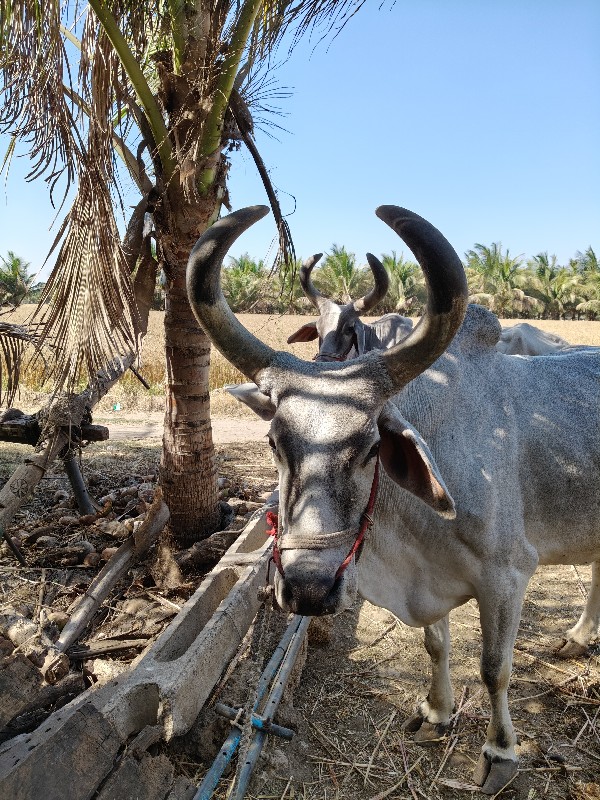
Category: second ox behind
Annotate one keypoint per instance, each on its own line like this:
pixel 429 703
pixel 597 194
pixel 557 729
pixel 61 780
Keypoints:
pixel 472 467
pixel 341 332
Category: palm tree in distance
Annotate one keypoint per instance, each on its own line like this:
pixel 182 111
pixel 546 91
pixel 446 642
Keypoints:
pixel 556 287
pixel 496 280
pixel 407 292
pixel 587 262
pixel 166 88
pixel 287 295
pixel 15 281
pixel 340 278
pixel 243 280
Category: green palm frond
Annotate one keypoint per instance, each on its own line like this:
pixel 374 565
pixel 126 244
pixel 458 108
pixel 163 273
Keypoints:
pixel 277 17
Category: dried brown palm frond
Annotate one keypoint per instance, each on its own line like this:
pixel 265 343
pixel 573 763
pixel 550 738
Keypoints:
pixel 33 69
pixel 89 295
pixel 91 310
pixel 243 120
pixel 277 17
pixel 14 340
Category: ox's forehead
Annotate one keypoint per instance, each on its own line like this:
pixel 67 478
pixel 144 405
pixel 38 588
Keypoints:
pixel 322 427
pixel 333 315
pixel 326 402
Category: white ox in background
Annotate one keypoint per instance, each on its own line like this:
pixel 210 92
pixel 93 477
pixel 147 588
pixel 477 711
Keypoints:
pixel 488 466
pixel 341 333
pixel 524 339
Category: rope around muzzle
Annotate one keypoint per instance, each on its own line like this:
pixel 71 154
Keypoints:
pixel 324 541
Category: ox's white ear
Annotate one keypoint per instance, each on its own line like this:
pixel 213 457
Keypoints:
pixel 408 461
pixel 251 395
pixel 306 333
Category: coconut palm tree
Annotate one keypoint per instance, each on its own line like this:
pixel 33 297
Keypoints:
pixel 243 280
pixel 286 295
pixel 556 287
pixel 340 278
pixel 587 268
pixel 496 280
pixel 166 87
pixel 587 263
pixel 407 292
pixel 15 280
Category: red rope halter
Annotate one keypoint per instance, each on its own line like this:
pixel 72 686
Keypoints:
pixel 366 522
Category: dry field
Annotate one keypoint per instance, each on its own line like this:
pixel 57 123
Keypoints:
pixel 273 329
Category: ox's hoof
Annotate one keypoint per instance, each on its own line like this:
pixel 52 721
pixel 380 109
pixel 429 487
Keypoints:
pixel 424 732
pixel 494 775
pixel 412 724
pixel 569 648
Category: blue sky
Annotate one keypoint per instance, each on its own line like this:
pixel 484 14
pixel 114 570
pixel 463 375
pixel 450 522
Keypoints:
pixel 482 116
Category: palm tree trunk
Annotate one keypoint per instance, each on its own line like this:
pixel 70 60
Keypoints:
pixel 188 472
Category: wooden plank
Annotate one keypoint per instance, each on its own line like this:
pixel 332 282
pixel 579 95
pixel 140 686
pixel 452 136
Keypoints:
pixel 19 681
pixel 79 751
pixel 150 778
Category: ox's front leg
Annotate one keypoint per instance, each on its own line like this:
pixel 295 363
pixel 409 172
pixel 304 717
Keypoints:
pixel 433 716
pixel 500 614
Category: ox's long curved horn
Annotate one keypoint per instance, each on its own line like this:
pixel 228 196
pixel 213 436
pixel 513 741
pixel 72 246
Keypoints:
pixel 447 295
pixel 310 290
pixel 238 345
pixel 379 291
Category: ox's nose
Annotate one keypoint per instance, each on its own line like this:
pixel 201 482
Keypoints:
pixel 311 592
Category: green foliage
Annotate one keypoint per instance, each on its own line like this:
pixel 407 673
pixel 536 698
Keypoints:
pixel 15 282
pixel 498 281
pixel 407 294
pixel 244 281
pixel 340 278
pixel 537 289
pixel 557 288
pixel 287 296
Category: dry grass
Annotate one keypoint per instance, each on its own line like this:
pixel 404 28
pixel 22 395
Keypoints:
pixel 272 329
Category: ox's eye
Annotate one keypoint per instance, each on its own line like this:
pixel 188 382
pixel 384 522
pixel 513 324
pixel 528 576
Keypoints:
pixel 371 454
pixel 272 444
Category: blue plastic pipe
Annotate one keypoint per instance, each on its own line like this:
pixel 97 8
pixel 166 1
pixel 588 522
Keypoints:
pixel 213 776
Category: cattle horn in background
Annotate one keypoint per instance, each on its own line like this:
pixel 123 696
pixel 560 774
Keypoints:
pixel 364 304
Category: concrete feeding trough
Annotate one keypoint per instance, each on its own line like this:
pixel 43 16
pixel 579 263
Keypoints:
pixel 74 750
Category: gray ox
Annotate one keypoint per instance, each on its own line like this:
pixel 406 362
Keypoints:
pixel 489 465
pixel 341 333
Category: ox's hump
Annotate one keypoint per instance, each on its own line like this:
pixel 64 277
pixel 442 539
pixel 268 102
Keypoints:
pixel 480 330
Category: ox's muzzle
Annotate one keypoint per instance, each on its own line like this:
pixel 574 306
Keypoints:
pixel 314 582
pixel 310 586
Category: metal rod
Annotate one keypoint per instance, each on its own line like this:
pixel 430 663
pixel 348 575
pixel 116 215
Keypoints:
pixel 257 722
pixel 273 700
pixel 213 776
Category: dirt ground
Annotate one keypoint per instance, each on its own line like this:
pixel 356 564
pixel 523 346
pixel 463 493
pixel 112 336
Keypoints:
pixel 362 676
pixel 225 430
